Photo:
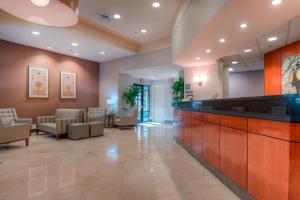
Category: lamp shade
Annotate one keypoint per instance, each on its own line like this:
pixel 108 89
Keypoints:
pixel 58 13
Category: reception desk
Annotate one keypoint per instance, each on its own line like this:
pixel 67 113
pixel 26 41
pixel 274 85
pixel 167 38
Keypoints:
pixel 251 144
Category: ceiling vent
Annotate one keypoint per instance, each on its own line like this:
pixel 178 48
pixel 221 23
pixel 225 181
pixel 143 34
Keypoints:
pixel 104 17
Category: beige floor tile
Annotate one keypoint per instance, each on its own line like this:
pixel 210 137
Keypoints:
pixel 141 164
pixel 138 190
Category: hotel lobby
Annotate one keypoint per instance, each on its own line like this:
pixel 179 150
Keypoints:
pixel 149 100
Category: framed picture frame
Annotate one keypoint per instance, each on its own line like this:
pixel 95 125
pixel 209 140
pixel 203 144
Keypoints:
pixel 38 82
pixel 290 75
pixel 68 85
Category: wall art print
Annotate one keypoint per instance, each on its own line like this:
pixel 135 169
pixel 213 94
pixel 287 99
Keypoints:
pixel 291 75
pixel 38 82
pixel 68 86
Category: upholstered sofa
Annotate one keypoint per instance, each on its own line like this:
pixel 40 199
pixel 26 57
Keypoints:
pixel 96 114
pixel 12 128
pixel 127 120
pixel 58 124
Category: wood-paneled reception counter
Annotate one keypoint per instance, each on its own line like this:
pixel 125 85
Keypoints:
pixel 250 144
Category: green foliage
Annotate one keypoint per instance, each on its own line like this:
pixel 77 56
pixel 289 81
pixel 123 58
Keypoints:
pixel 177 89
pixel 130 94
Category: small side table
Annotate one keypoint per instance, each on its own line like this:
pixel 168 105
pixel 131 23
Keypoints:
pixel 110 120
pixel 33 129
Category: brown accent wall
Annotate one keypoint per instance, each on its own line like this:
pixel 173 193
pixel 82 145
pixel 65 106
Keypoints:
pixel 273 63
pixel 14 62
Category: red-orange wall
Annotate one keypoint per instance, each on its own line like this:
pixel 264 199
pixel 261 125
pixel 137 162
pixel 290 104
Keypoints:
pixel 14 62
pixel 273 63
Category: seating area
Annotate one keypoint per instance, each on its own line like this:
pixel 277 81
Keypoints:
pixel 65 123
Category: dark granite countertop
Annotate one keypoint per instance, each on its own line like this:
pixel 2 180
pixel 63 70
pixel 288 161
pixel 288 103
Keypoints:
pixel 285 108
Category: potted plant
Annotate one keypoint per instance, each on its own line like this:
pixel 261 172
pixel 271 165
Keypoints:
pixel 177 89
pixel 130 95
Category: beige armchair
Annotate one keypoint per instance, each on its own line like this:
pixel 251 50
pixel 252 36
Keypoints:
pixel 128 120
pixel 12 128
pixel 58 124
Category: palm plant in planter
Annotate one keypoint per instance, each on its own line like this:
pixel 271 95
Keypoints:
pixel 130 95
pixel 177 89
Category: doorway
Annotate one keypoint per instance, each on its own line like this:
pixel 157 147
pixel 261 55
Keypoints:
pixel 143 103
pixel 159 106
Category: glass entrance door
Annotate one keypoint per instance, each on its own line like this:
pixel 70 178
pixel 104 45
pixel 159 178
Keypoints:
pixel 143 103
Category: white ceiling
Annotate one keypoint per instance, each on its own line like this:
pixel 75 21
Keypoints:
pixel 263 19
pixel 286 33
pixel 156 73
pixel 136 15
pixel 60 40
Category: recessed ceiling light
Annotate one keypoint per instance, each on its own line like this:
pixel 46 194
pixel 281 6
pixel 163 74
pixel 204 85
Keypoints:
pixel 231 69
pixel 156 4
pixel 243 25
pixel 102 52
pixel 234 62
pixel 143 31
pixel 272 39
pixel 117 16
pixel 40 3
pixel 36 33
pixel 222 40
pixel 197 58
pixel 276 2
pixel 48 47
pixel 207 50
pixel 248 50
pixel 76 54
pixel 74 44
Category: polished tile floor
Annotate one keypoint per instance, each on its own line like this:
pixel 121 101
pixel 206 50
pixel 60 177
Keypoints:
pixel 144 164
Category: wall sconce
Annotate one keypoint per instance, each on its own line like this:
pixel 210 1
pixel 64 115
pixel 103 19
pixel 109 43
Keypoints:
pixel 200 80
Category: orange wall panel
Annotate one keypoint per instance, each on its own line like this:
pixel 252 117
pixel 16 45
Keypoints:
pixel 280 130
pixel 268 167
pixel 273 63
pixel 233 155
pixel 272 73
pixel 211 143
pixel 197 138
pixel 240 123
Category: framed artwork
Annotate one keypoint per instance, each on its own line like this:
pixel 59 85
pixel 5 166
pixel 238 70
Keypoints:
pixel 68 85
pixel 38 82
pixel 290 78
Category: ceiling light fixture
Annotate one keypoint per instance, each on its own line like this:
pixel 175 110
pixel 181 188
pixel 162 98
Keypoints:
pixel 57 13
pixel 231 69
pixel 234 62
pixel 40 3
pixel 102 52
pixel 48 47
pixel 248 50
pixel 36 33
pixel 272 39
pixel 117 16
pixel 243 25
pixel 74 44
pixel 156 4
pixel 208 51
pixel 143 31
pixel 276 2
pixel 76 54
pixel 197 58
pixel 174 75
pixel 222 40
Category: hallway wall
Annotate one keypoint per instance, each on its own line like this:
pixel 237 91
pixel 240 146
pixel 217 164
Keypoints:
pixel 14 62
